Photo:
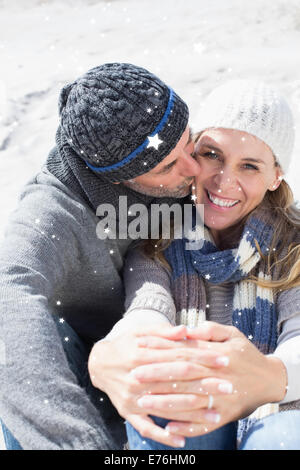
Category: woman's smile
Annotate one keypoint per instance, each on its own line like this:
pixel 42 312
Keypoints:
pixel 218 202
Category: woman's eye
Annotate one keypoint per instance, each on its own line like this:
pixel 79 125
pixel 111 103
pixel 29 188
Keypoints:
pixel 248 166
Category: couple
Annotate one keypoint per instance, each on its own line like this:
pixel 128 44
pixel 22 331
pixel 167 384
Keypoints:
pixel 227 383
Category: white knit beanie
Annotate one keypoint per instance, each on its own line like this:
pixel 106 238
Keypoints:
pixel 253 107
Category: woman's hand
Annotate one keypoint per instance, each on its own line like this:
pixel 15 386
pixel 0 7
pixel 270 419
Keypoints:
pixel 212 355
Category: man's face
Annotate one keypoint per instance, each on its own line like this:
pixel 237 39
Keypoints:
pixel 173 176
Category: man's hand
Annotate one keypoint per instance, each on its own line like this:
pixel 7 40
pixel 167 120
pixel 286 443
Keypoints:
pixel 110 365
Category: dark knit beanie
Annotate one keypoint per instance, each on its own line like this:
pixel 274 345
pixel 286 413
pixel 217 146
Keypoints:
pixel 121 120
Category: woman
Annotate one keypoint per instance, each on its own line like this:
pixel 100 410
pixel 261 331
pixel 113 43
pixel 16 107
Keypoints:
pixel 242 378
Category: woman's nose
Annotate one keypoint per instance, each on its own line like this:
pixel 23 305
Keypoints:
pixel 226 179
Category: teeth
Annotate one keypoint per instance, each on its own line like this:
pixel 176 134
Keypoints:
pixel 221 202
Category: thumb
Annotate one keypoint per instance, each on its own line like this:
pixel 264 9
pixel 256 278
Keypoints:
pixel 212 331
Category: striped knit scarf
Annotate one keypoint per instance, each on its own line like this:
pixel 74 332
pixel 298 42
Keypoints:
pixel 254 310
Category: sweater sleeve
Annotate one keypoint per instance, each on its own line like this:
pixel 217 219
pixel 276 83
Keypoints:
pixel 147 285
pixel 288 305
pixel 288 345
pixel 41 401
pixel 148 294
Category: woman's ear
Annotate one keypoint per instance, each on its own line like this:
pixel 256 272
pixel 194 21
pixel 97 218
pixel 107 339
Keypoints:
pixel 277 181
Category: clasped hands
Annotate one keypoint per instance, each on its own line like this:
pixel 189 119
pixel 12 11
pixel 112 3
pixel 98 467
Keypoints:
pixel 198 379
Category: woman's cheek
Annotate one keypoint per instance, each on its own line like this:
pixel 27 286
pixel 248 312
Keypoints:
pixel 257 186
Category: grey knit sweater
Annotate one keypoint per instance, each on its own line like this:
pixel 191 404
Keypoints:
pixel 52 263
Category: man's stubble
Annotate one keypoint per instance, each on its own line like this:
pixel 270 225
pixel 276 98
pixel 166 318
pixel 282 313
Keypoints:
pixel 162 191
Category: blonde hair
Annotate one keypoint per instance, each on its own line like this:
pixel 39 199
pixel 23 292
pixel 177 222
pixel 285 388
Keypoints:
pixel 285 259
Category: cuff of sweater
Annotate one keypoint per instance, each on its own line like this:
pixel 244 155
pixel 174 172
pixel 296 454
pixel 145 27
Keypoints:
pixel 288 353
pixel 155 303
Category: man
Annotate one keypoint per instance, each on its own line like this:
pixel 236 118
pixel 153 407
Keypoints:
pixel 123 132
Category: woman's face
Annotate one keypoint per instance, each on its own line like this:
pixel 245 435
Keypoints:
pixel 236 171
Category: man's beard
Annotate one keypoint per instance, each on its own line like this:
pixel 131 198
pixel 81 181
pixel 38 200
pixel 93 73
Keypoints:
pixel 178 192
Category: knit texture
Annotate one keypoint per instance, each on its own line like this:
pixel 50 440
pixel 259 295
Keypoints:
pixel 150 291
pixel 253 307
pixel 254 311
pixel 108 114
pixel 93 188
pixel 254 107
pixel 61 268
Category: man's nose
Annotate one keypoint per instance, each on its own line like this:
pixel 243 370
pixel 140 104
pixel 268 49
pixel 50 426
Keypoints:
pixel 189 166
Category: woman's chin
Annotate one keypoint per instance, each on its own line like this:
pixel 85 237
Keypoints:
pixel 214 224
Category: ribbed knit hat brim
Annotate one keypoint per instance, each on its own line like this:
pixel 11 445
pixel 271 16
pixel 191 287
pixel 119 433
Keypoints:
pixel 251 106
pixel 108 114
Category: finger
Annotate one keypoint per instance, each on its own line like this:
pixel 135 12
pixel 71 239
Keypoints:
pixel 164 331
pixel 216 386
pixel 205 357
pixel 189 429
pixel 170 371
pixel 179 402
pixel 211 331
pixel 156 342
pixel 149 430
pixel 205 386
pixel 209 419
pixel 168 411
